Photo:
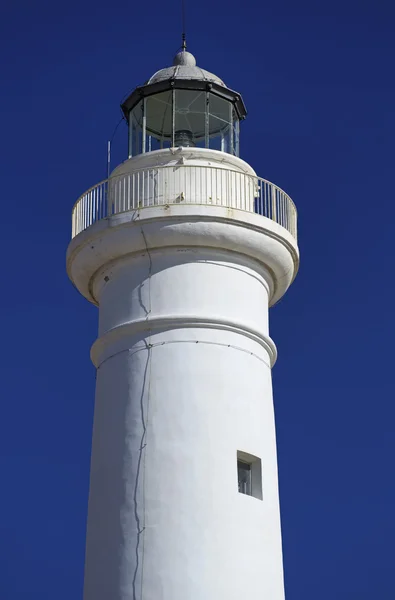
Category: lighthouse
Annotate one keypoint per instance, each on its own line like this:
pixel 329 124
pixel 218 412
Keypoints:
pixel 183 249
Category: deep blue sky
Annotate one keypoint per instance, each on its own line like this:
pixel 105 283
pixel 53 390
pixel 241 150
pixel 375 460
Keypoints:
pixel 318 82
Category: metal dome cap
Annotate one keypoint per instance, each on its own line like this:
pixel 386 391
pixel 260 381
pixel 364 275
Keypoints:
pixel 184 67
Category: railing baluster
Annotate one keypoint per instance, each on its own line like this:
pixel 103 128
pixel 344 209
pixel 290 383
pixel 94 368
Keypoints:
pixel 184 188
pixel 266 212
pixel 247 199
pixel 150 178
pixel 285 204
pixel 280 196
pixel 99 202
pixel 241 179
pixel 280 201
pixel 163 194
pixel 286 212
pixel 191 176
pixel 90 204
pixel 202 184
pixel 265 209
pixel 280 207
pixel 259 196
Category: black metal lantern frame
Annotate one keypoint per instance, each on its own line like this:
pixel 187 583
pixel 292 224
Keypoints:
pixel 184 112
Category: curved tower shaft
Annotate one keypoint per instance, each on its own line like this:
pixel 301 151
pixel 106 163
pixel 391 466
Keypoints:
pixel 183 249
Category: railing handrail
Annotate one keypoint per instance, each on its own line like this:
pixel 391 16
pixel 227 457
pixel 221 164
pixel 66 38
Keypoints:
pixel 260 181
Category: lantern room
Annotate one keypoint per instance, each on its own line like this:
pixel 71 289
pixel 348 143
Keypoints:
pixel 185 106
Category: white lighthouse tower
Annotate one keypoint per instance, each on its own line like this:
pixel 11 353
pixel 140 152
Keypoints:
pixel 183 249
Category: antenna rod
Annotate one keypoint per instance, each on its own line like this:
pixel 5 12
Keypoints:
pixel 184 42
pixel 108 158
pixel 109 146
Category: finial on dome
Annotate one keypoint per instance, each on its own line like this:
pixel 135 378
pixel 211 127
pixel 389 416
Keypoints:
pixel 185 59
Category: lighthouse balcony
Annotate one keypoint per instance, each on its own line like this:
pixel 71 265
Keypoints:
pixel 198 200
pixel 134 188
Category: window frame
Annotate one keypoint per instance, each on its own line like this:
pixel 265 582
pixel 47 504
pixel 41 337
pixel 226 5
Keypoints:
pixel 255 483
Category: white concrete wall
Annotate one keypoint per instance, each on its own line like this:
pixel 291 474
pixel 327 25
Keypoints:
pixel 183 383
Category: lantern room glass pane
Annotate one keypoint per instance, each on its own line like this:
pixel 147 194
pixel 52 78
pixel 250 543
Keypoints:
pixel 222 120
pixel 190 111
pixel 220 114
pixel 135 130
pixel 159 119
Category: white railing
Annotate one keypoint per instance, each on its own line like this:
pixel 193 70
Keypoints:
pixel 184 184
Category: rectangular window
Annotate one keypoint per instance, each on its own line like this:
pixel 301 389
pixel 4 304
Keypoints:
pixel 249 474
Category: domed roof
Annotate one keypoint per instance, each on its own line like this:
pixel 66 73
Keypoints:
pixel 184 67
pixel 184 74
